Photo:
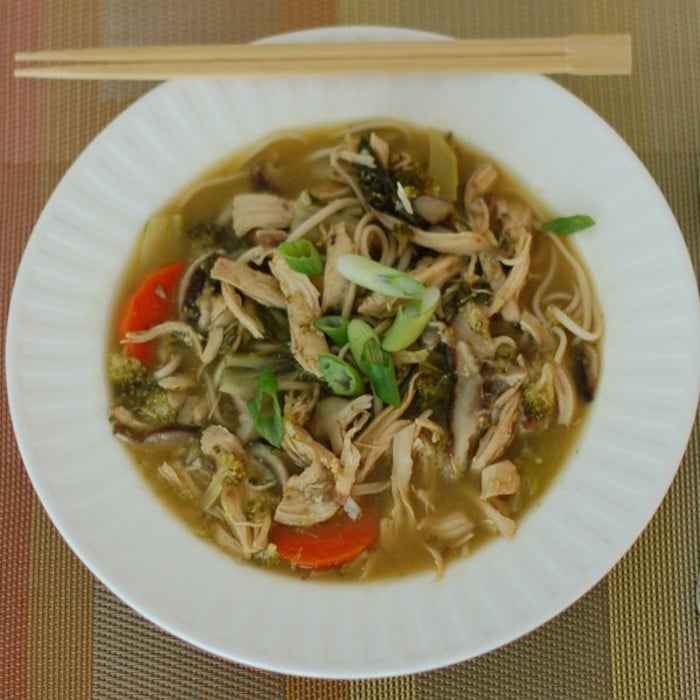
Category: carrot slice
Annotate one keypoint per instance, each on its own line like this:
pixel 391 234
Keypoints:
pixel 152 303
pixel 327 544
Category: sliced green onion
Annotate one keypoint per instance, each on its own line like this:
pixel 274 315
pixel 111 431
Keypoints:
pixel 379 367
pixel 335 327
pixel 411 320
pixel 377 277
pixel 301 256
pixel 565 225
pixel 359 334
pixel 373 361
pixel 341 377
pixel 265 409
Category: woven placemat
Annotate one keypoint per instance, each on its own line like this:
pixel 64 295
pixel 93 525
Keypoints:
pixel 63 635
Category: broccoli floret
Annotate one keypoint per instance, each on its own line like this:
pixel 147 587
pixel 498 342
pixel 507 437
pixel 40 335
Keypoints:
pixel 538 397
pixel 135 388
pixel 206 236
pixel 235 468
pixel 433 389
pixel 413 175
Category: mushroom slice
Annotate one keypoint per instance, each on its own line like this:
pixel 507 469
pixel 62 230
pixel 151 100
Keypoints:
pixel 466 408
pixel 432 209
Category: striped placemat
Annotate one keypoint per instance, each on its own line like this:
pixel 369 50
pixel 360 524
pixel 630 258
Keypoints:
pixel 63 635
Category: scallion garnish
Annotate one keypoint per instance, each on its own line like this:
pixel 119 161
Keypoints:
pixel 377 277
pixel 359 334
pixel 341 377
pixel 265 409
pixel 565 225
pixel 335 327
pixel 379 367
pixel 411 320
pixel 373 361
pixel 301 256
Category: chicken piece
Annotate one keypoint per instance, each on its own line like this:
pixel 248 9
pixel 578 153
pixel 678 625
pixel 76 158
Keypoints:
pixel 499 436
pixel 499 479
pixel 308 498
pixel 252 535
pixel 493 271
pixel 516 278
pixel 502 523
pixel 375 439
pixel 216 439
pixel 235 305
pixel 454 242
pixel 260 210
pixel 303 308
pixel 334 416
pixel 479 183
pixel 335 286
pixel 466 409
pixel 257 285
pixel 402 514
pixel 450 531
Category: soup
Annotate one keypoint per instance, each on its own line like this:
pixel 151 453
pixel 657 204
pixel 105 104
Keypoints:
pixel 354 351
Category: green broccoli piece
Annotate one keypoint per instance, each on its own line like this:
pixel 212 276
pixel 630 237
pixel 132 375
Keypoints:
pixel 136 389
pixel 205 236
pixel 538 397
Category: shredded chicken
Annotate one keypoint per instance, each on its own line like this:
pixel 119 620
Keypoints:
pixel 261 210
pixel 303 309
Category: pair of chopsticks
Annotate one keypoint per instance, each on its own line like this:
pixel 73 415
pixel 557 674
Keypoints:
pixel 581 54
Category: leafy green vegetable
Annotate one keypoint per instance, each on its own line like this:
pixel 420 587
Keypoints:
pixel 379 278
pixel 379 187
pixel 341 377
pixel 265 409
pixel 335 327
pixel 301 256
pixel 565 225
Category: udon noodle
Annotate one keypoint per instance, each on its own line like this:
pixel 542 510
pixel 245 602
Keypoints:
pixel 356 351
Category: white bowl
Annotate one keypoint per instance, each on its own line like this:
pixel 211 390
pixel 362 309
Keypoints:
pixel 609 489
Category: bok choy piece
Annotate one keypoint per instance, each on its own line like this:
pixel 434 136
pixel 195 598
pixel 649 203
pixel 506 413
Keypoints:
pixel 265 409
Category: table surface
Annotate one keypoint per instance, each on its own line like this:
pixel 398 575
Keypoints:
pixel 64 635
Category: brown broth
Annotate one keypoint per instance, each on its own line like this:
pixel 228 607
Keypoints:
pixel 539 457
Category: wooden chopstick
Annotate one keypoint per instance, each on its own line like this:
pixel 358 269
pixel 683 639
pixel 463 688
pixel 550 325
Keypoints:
pixel 577 54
